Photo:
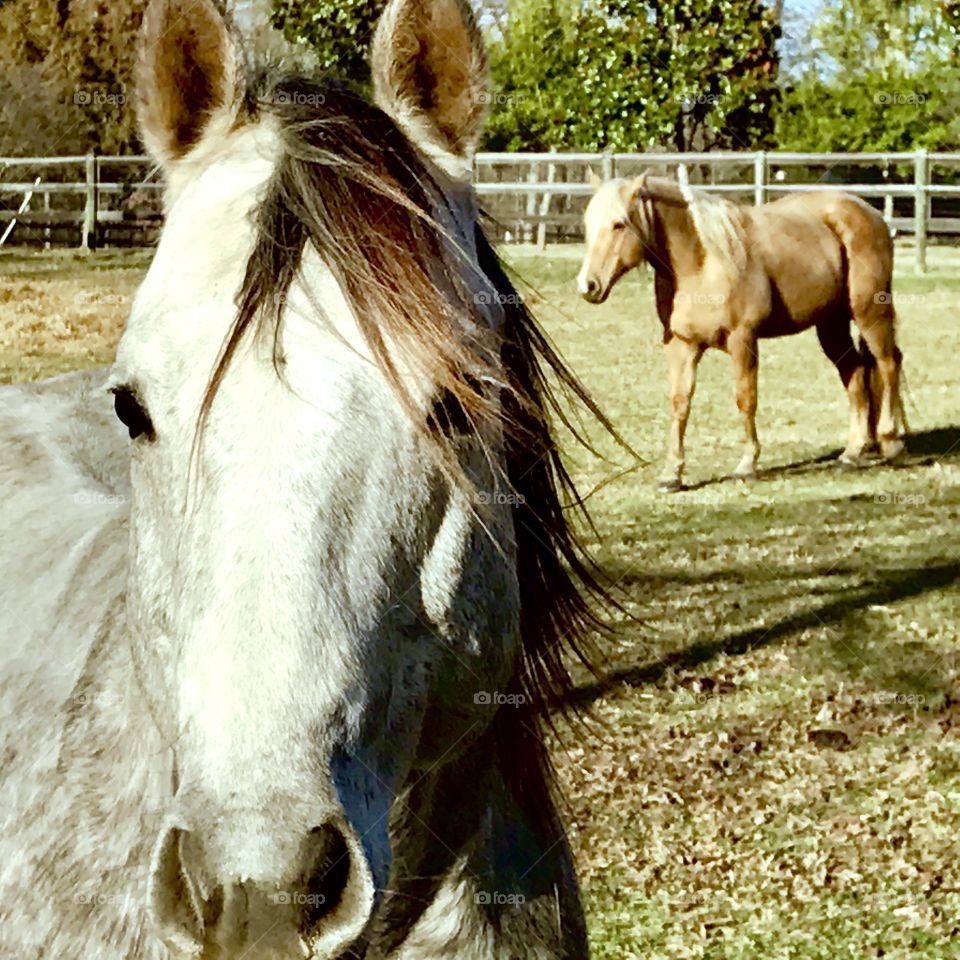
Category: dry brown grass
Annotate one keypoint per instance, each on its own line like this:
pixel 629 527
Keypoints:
pixel 62 310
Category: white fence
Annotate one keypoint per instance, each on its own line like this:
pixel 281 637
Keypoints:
pixel 538 198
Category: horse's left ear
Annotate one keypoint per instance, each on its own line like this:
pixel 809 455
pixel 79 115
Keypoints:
pixel 638 185
pixel 188 75
pixel 429 68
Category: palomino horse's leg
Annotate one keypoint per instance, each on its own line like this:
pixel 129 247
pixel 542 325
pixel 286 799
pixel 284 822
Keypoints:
pixel 682 359
pixel 838 345
pixel 881 342
pixel 742 347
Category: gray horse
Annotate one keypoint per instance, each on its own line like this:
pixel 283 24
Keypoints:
pixel 278 639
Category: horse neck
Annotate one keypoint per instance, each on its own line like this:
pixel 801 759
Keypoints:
pixel 676 248
pixel 492 868
pixel 111 785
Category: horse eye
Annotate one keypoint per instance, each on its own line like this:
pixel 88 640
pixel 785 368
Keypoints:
pixel 619 226
pixel 131 414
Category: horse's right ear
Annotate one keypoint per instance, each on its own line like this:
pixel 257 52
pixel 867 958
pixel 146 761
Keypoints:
pixel 595 181
pixel 189 75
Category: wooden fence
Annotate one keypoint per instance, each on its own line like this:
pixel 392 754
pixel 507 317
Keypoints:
pixel 535 198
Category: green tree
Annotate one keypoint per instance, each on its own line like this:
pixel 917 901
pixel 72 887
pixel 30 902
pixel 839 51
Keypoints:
pixel 78 58
pixel 534 59
pixel 634 74
pixel 338 31
pixel 876 75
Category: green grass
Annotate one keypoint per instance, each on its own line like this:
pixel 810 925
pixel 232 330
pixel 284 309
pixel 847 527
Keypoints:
pixel 774 764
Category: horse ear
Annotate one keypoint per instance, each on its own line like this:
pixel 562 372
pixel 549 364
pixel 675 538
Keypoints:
pixel 639 185
pixel 429 67
pixel 595 181
pixel 188 75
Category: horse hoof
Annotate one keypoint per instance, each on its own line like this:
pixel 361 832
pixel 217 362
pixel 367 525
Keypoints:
pixel 670 486
pixel 744 476
pixel 850 461
pixel 891 449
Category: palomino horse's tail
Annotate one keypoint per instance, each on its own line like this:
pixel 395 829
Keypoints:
pixel 875 386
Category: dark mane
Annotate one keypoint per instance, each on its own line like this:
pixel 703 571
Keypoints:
pixel 351 185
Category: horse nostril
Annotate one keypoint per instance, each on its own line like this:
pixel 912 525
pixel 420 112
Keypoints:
pixel 176 904
pixel 593 288
pixel 326 874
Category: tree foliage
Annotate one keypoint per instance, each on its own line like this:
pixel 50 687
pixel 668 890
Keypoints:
pixel 567 74
pixel 339 31
pixel 68 67
pixel 620 73
pixel 634 74
pixel 876 75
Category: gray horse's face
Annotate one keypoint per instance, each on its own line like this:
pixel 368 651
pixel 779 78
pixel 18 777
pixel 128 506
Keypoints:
pixel 303 588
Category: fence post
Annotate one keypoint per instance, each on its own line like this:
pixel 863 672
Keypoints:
pixel 606 165
pixel 920 208
pixel 88 236
pixel 545 202
pixel 888 198
pixel 533 177
pixel 760 178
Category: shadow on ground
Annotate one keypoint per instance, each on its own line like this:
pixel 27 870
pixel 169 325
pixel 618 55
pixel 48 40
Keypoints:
pixel 941 444
pixel 889 587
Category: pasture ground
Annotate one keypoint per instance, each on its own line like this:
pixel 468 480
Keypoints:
pixel 772 767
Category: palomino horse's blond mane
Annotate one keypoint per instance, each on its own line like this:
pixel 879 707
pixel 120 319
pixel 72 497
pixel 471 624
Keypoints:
pixel 721 227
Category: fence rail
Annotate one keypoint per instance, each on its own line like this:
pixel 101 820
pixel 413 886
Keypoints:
pixel 533 197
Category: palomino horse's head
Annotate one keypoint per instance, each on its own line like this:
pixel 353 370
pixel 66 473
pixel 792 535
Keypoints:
pixel 324 588
pixel 617 234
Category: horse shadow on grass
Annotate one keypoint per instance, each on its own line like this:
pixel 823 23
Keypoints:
pixel 890 587
pixel 924 449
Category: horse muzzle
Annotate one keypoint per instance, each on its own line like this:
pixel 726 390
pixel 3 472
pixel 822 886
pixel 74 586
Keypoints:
pixel 594 292
pixel 232 891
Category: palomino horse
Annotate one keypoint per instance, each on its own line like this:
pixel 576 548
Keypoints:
pixel 275 667
pixel 727 275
